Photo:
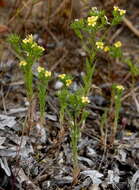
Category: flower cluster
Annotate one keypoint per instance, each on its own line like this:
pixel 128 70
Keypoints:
pixel 62 76
pixel 68 82
pixel 65 79
pixel 85 100
pixel 118 44
pixel 40 69
pixel 22 63
pixel 35 45
pixel 100 45
pixel 92 20
pixel 106 49
pixel 119 87
pixel 115 49
pixel 28 39
pixel 48 73
pixel 121 11
pixel 43 71
pixel 28 42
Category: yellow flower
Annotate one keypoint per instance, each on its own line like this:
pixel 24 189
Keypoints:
pixel 40 69
pixel 41 48
pixel 23 63
pixel 118 44
pixel 119 87
pixel 106 48
pixel 100 45
pixel 68 82
pixel 116 8
pixel 92 20
pixel 35 45
pixel 85 100
pixel 122 12
pixel 62 76
pixel 28 39
pixel 48 73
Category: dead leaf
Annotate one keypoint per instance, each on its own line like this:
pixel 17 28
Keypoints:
pixel 7 121
pixel 94 175
pixel 4 166
pixel 134 180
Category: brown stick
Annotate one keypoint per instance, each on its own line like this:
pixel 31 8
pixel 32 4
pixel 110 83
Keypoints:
pixel 129 24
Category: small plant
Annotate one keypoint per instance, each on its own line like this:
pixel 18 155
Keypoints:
pixel 73 105
pixel 77 115
pixel 134 70
pixel 87 29
pixel 28 52
pixel 115 50
pixel 43 77
pixel 62 95
pixel 111 115
pixel 117 15
pixel 104 128
pixel 117 91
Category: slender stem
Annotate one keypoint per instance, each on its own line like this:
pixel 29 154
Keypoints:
pixel 42 102
pixel 29 83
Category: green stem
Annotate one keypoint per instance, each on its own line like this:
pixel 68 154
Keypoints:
pixel 42 97
pixel 117 111
pixel 75 145
pixel 29 83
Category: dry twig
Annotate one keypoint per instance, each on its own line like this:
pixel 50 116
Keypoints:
pixel 129 24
